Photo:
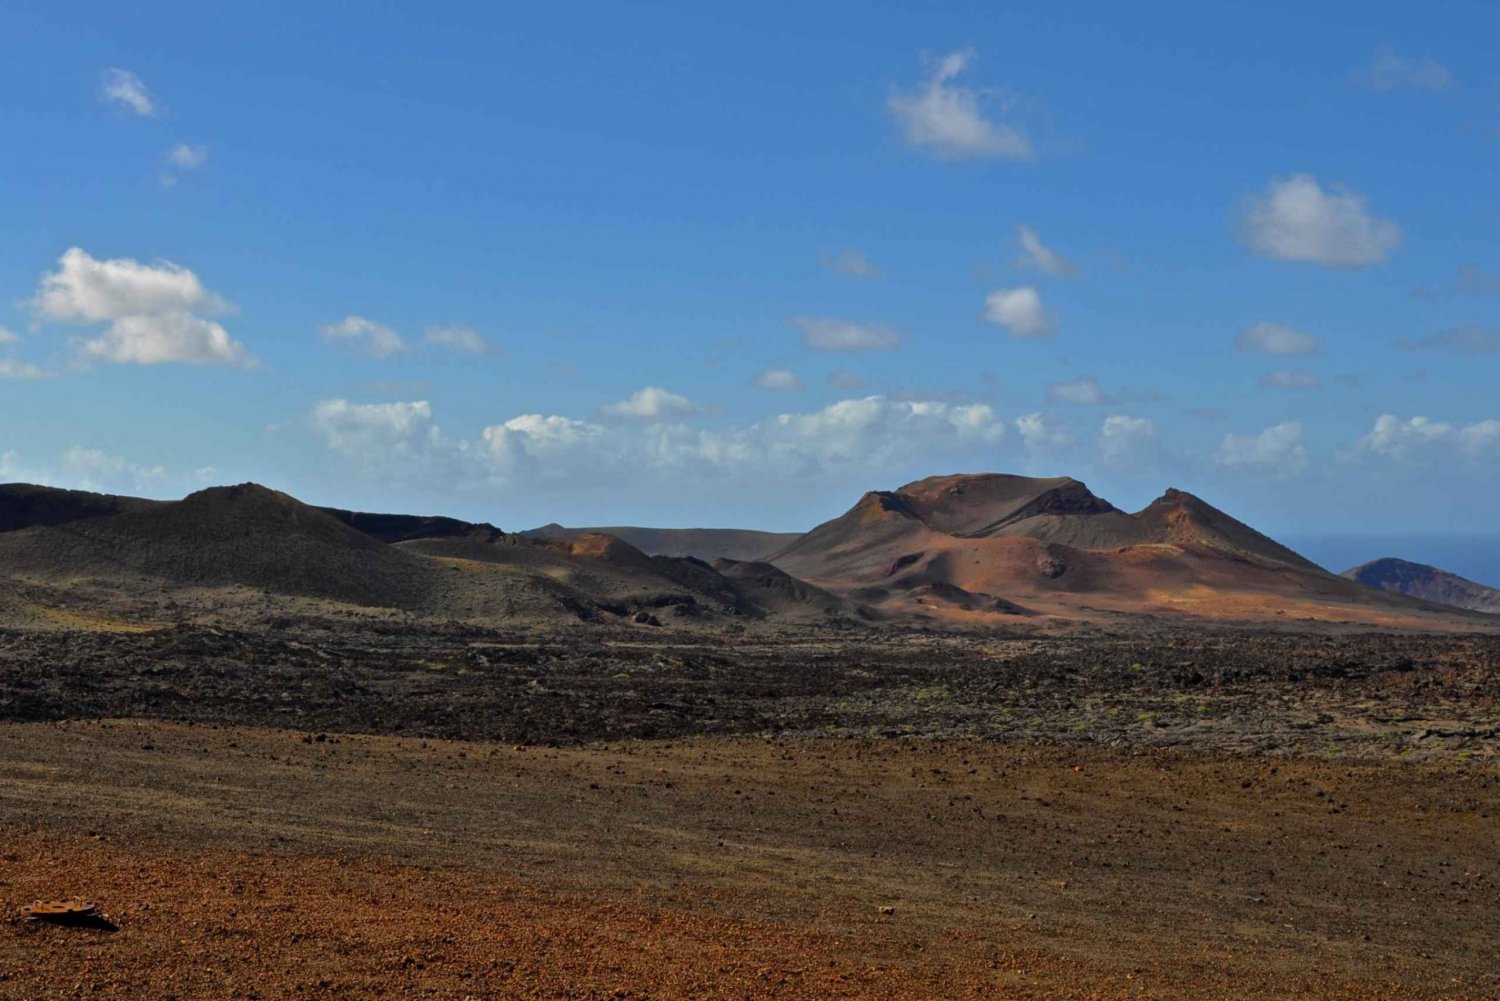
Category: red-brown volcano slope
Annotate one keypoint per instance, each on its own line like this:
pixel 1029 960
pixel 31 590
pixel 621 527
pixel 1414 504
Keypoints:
pixel 967 546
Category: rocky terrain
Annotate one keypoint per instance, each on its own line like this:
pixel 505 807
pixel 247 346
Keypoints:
pixel 980 737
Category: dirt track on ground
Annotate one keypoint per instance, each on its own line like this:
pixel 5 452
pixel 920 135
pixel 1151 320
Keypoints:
pixel 238 859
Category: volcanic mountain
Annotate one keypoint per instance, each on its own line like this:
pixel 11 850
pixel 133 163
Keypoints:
pixel 245 536
pixel 1418 580
pixel 232 544
pixel 698 543
pixel 957 546
pixel 25 504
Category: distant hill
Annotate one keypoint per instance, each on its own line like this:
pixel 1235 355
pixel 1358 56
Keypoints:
pixel 23 505
pixel 699 543
pixel 1418 580
pixel 404 527
pixel 972 550
pixel 133 553
pixel 957 547
pixel 244 535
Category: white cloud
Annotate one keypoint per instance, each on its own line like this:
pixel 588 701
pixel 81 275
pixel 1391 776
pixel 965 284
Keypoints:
pixel 950 122
pixel 1020 311
pixel 1417 438
pixel 852 263
pixel 1276 451
pixel 1297 220
pixel 1082 392
pixel 1035 254
pixel 650 403
pixel 1390 71
pixel 1480 438
pixel 827 334
pixel 847 382
pixel 153 311
pixel 92 468
pixel 11 369
pixel 387 435
pixel 1126 440
pixel 458 337
pixel 779 379
pixel 1275 339
pixel 1288 379
pixel 187 157
pixel 1394 438
pixel 865 435
pixel 127 90
pixel 8 336
pixel 1041 433
pixel 373 339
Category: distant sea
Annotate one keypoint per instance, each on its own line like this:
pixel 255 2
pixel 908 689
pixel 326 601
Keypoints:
pixel 1476 557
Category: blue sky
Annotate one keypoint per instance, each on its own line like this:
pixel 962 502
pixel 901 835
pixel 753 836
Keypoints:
pixel 730 265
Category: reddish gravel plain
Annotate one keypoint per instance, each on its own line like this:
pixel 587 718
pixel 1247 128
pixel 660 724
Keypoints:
pixel 244 863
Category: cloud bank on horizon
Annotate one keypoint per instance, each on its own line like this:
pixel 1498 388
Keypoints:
pixel 592 302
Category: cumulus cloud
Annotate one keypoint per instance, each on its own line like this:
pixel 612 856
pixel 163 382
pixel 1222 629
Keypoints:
pixel 457 337
pixel 847 382
pixel 1290 379
pixel 1471 339
pixel 851 263
pixel 1298 220
pixel 1394 438
pixel 184 156
pixel 1082 392
pixel 1420 437
pixel 367 336
pixel 1127 441
pixel 868 434
pixel 1275 339
pixel 1037 255
pixel 181 158
pixel 91 467
pixel 1276 451
pixel 950 122
pixel 1391 71
pixel 85 468
pixel 155 313
pixel 649 404
pixel 778 379
pixel 1020 311
pixel 827 334
pixel 125 89
pixel 1041 433
pixel 12 369
pixel 381 434
pixel 1480 438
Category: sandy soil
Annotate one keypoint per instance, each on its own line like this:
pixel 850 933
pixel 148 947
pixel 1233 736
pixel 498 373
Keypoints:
pixel 245 862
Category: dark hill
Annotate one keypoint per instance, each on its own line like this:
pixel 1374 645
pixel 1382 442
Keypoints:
pixel 1418 580
pixel 23 505
pixel 405 527
pixel 244 535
